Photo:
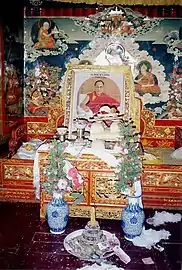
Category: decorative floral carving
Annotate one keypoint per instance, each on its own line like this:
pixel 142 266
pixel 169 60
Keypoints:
pixel 18 172
pixel 48 128
pixel 153 131
pixel 16 195
pixel 162 179
pixel 103 189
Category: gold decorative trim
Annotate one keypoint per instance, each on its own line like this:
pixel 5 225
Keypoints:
pixel 92 164
pixel 103 189
pixel 125 2
pixel 162 179
pixel 153 131
pixel 109 213
pixel 151 201
pixel 45 128
pixel 18 172
pixel 159 168
pixel 17 195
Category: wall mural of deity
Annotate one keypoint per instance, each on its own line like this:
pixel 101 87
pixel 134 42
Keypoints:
pixel 13 70
pixel 13 91
pixel 43 34
pixel 146 47
pixel 146 81
pixel 42 89
pixel 43 37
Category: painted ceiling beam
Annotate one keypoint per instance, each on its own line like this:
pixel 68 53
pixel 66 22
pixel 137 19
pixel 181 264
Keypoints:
pixel 125 2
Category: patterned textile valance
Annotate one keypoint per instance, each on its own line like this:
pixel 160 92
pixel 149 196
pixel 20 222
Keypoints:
pixel 125 2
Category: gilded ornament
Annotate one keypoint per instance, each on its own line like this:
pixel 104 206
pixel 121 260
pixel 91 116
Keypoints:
pixel 153 131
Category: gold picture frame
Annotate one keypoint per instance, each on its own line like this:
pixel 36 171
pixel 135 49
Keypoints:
pixel 78 80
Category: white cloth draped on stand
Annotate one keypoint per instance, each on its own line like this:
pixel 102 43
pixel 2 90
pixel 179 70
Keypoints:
pixel 36 169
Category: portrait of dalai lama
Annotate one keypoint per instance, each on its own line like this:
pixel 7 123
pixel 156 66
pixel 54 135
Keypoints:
pixel 96 98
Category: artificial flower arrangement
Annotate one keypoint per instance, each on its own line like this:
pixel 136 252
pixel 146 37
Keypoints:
pixel 128 175
pixel 129 168
pixel 61 175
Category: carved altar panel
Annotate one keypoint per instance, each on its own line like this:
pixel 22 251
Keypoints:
pixel 16 182
pixel 17 195
pixel 101 212
pixel 88 162
pixel 162 176
pixel 103 189
pixel 14 172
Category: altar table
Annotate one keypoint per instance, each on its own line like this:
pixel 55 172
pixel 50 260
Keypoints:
pixel 161 187
pixel 161 184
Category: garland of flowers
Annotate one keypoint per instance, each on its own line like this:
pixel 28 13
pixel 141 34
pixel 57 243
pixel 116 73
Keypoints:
pixel 130 165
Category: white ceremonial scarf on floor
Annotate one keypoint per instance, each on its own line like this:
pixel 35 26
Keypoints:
pixel 102 266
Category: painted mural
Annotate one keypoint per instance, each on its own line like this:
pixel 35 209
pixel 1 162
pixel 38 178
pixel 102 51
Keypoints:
pixel 152 47
pixel 42 89
pixel 13 70
pixel 146 81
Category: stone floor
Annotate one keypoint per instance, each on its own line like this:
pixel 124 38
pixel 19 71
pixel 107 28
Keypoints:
pixel 25 243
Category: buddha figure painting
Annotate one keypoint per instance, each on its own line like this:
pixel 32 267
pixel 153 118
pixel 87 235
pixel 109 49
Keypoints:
pixel 42 34
pixel 146 81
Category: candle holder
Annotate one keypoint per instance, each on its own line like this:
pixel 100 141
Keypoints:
pixel 61 131
pixel 80 124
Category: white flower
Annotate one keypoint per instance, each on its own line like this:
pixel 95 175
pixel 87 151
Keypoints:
pixel 62 184
pixel 117 170
pixel 69 189
pixel 124 151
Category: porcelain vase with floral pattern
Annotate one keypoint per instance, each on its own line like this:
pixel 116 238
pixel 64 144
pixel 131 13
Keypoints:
pixel 57 214
pixel 132 218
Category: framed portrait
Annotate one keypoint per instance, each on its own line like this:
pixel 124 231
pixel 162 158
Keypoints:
pixel 88 88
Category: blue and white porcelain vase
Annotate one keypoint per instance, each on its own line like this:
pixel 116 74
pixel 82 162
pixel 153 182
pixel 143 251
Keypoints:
pixel 132 218
pixel 57 214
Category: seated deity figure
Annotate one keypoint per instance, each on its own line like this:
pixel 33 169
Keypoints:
pixel 45 38
pixel 146 82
